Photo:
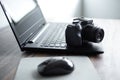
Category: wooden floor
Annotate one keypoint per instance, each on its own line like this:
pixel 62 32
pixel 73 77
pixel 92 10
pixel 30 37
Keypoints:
pixel 9 54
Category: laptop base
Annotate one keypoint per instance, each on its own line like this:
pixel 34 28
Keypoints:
pixel 87 49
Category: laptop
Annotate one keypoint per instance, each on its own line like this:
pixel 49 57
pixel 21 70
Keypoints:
pixel 33 33
pixel 83 69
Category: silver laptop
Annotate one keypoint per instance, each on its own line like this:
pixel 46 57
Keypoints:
pixel 33 33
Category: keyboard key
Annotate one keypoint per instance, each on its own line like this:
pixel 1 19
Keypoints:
pixel 51 45
pixel 57 45
pixel 63 44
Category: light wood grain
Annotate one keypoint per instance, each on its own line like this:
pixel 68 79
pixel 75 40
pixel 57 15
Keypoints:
pixel 108 64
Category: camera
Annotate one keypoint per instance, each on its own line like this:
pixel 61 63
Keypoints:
pixel 82 30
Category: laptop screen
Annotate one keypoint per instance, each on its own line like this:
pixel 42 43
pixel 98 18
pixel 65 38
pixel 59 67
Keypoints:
pixel 25 18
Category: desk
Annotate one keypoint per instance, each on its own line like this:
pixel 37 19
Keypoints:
pixel 107 64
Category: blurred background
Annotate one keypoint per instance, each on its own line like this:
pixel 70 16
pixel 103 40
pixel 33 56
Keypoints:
pixel 61 9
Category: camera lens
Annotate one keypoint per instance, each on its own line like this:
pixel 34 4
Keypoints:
pixel 92 33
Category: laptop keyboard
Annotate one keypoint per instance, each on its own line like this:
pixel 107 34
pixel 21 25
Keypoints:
pixel 53 36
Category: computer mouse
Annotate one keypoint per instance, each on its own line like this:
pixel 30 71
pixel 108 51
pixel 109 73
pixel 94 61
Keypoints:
pixel 56 66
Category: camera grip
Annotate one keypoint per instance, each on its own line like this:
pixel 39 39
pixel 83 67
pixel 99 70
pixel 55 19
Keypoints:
pixel 73 36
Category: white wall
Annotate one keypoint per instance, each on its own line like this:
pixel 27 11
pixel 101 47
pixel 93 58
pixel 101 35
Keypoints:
pixel 60 8
pixel 102 8
pixel 76 8
pixel 3 20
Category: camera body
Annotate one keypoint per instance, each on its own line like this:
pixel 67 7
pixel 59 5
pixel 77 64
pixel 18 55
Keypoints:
pixel 82 30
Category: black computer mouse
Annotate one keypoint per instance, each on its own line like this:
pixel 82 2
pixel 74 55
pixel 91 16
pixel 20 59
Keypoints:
pixel 56 66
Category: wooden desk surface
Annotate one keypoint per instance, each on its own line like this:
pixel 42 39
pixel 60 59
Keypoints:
pixel 106 64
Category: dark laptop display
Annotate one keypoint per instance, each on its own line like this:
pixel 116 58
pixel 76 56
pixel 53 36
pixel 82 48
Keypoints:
pixel 28 23
pixel 33 33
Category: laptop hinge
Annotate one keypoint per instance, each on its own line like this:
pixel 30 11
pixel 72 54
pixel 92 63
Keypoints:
pixel 29 40
pixel 26 41
pixel 39 33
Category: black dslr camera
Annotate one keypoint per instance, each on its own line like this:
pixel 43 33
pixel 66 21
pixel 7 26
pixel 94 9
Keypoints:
pixel 82 30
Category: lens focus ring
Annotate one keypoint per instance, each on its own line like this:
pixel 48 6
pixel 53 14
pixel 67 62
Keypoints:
pixel 93 34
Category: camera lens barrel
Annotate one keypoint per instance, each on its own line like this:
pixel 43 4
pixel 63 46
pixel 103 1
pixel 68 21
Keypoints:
pixel 92 33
